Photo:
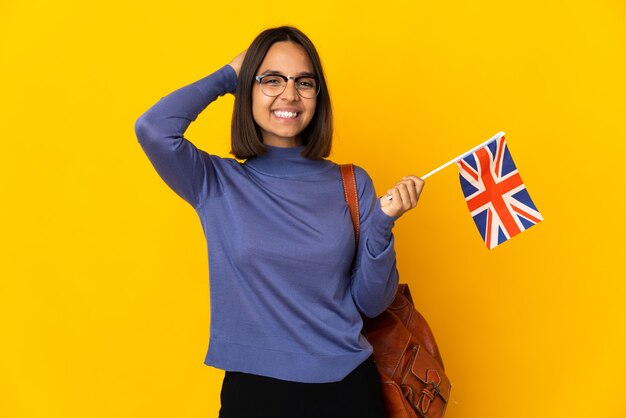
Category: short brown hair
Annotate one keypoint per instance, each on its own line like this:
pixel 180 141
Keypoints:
pixel 246 138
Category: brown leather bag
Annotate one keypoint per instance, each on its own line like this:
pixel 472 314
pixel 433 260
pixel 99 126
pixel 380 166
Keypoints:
pixel 411 370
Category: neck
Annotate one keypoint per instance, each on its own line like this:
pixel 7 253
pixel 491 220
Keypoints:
pixel 282 142
pixel 286 161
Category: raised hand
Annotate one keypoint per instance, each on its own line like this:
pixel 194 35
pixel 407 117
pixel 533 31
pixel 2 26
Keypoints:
pixel 236 62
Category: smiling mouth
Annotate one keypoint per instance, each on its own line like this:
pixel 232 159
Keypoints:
pixel 285 114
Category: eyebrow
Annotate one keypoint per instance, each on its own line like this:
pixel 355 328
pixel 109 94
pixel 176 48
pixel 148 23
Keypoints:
pixel 302 74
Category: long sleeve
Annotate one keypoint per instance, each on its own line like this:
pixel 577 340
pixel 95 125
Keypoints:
pixel 186 169
pixel 374 276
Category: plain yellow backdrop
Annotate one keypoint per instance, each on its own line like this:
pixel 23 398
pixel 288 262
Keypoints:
pixel 104 292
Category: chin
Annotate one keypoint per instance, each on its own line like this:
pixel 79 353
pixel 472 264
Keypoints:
pixel 287 135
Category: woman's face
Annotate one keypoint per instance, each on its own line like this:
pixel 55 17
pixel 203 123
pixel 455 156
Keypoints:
pixel 284 117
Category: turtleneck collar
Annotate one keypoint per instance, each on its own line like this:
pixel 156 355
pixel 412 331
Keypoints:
pixel 279 161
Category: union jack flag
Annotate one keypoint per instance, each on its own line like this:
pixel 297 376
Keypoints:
pixel 495 194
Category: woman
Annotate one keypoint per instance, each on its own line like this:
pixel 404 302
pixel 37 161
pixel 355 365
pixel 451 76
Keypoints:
pixel 287 285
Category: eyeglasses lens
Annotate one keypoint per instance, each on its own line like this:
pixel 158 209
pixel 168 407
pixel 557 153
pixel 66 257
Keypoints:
pixel 307 87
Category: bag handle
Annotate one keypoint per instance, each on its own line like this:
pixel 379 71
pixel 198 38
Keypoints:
pixel 352 197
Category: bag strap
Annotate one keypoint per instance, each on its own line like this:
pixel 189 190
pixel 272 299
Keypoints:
pixel 352 197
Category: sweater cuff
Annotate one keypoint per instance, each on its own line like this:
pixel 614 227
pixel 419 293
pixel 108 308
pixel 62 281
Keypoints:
pixel 381 225
pixel 230 78
pixel 218 83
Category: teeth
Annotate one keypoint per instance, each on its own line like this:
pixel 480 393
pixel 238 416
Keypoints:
pixel 284 114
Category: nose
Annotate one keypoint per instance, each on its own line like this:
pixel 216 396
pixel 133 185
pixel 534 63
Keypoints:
pixel 290 93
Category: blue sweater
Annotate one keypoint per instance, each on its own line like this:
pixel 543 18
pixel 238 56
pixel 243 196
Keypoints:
pixel 286 299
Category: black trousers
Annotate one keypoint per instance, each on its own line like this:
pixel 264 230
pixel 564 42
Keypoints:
pixel 358 395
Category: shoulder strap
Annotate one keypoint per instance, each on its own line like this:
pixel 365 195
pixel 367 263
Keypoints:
pixel 351 195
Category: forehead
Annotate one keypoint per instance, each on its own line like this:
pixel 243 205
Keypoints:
pixel 288 58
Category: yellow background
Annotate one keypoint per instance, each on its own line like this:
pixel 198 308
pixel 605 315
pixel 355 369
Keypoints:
pixel 104 295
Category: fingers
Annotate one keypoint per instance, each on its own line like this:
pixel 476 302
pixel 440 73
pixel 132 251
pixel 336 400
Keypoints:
pixel 415 186
pixel 400 196
pixel 409 190
pixel 408 193
pixel 237 61
pixel 405 194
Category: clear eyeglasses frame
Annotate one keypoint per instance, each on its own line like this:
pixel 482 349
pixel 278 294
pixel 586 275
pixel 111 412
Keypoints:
pixel 273 85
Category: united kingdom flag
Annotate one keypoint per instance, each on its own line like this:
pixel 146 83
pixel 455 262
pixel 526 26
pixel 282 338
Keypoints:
pixel 495 194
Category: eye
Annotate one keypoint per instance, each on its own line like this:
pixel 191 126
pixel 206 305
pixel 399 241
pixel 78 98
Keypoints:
pixel 307 83
pixel 272 80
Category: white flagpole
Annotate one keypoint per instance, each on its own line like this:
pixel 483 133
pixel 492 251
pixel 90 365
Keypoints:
pixel 460 157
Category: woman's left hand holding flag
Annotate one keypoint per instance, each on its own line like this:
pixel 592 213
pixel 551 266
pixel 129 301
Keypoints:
pixel 402 197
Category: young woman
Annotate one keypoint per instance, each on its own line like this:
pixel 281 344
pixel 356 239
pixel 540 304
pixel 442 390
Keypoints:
pixel 288 285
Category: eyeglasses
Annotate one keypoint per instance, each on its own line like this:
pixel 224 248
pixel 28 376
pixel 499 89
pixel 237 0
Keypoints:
pixel 274 84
